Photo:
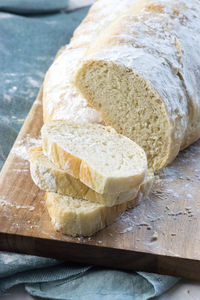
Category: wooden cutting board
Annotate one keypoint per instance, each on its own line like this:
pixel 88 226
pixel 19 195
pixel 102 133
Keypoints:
pixel 162 234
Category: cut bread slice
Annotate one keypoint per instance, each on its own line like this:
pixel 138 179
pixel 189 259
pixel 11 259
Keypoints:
pixel 97 155
pixel 50 178
pixel 78 217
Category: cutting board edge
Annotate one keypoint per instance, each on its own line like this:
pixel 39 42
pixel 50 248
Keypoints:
pixel 116 258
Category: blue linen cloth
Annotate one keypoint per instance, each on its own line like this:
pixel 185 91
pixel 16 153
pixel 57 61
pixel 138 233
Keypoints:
pixel 31 32
pixel 49 278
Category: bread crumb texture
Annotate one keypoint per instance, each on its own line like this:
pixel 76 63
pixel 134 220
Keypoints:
pixel 97 155
pixel 139 73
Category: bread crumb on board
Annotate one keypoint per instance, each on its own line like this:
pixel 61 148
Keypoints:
pixel 154 236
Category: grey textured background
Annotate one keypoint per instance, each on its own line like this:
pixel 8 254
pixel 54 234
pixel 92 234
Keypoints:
pixel 28 45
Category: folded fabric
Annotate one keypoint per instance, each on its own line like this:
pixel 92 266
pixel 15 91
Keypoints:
pixel 97 284
pixel 27 47
pixel 49 278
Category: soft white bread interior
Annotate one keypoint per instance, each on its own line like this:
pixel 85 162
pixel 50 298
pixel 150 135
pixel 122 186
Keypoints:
pixel 78 217
pixel 50 178
pixel 61 100
pixel 97 155
pixel 140 75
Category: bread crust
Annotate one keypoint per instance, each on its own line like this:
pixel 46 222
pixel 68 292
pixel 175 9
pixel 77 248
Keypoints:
pixel 83 171
pixel 153 40
pixel 52 179
pixel 61 100
pixel 82 222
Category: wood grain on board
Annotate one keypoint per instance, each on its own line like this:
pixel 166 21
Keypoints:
pixel 162 234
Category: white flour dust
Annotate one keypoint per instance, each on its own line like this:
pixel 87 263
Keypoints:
pixel 6 203
pixel 21 148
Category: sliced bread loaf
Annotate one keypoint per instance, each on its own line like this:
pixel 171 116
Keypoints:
pixel 97 155
pixel 78 217
pixel 50 178
pixel 140 74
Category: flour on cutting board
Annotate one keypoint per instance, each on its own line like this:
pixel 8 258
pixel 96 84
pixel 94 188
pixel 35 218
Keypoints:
pixel 22 146
pixel 135 217
pixel 4 202
pixel 37 102
pixel 171 197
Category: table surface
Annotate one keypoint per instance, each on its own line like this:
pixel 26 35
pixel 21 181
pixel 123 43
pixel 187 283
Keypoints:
pixel 184 290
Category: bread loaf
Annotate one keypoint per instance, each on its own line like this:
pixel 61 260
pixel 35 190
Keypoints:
pixel 78 217
pixel 97 155
pixel 142 74
pixel 52 179
pixel 93 166
pixel 61 100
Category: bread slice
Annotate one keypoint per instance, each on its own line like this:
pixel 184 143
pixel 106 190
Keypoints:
pixel 50 178
pixel 78 217
pixel 97 155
